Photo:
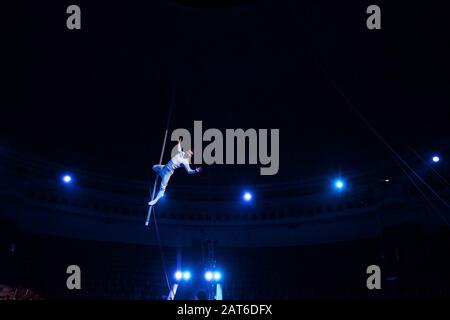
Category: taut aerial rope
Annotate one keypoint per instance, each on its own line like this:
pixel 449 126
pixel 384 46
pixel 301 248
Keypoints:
pixel 161 156
pixel 396 155
pixel 161 252
pixel 431 167
pixel 380 137
pixel 150 208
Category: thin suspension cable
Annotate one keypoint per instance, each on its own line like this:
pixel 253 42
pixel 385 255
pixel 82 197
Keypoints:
pixel 390 148
pixel 161 252
pixel 149 212
pixel 431 167
pixel 423 194
pixel 371 128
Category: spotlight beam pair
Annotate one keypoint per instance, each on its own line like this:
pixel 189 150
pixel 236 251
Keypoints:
pixel 213 276
pixel 182 275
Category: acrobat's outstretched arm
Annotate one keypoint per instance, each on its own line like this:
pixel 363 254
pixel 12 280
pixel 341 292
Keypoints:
pixel 189 170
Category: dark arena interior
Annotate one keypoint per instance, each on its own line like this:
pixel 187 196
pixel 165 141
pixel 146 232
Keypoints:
pixel 348 199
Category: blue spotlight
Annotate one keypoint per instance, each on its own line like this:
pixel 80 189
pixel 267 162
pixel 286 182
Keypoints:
pixel 66 179
pixel 247 196
pixel 209 275
pixel 217 276
pixel 186 275
pixel 339 184
pixel 436 159
pixel 178 275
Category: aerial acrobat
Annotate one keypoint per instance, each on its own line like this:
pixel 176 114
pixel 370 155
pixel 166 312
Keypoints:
pixel 165 171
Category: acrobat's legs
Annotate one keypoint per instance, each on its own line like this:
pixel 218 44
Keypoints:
pixel 165 180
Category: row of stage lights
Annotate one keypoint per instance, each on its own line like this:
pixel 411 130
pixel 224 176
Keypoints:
pixel 209 276
pixel 338 184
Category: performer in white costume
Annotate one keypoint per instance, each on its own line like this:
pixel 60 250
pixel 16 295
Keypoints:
pixel 165 172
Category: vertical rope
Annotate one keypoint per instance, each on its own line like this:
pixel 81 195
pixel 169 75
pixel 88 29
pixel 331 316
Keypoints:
pixel 161 251
pixel 149 212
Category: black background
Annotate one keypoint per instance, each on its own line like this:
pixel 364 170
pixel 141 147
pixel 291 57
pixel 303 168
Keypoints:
pixel 96 99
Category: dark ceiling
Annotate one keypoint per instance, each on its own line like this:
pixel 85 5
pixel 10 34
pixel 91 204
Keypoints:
pixel 97 99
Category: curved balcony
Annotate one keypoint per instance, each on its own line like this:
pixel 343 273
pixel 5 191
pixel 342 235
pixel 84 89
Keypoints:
pixel 105 208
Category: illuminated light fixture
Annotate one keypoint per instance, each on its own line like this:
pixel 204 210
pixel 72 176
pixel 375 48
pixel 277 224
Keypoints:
pixel 247 196
pixel 208 275
pixel 339 184
pixel 66 179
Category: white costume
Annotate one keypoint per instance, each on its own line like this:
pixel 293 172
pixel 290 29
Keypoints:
pixel 165 172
